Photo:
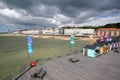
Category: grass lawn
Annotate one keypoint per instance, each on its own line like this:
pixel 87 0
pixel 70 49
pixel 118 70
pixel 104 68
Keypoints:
pixel 13 51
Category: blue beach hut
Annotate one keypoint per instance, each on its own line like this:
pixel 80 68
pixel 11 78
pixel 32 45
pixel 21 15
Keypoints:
pixel 91 50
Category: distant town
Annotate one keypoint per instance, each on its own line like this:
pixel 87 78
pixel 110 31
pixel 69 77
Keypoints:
pixel 112 29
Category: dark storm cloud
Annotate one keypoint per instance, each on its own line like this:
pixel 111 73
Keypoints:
pixel 31 23
pixel 43 10
pixel 65 11
pixel 69 8
pixel 24 4
pixel 72 8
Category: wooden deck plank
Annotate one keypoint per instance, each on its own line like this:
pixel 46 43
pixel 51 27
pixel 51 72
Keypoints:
pixel 105 67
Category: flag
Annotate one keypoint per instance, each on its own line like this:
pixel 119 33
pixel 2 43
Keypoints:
pixel 29 40
pixel 72 43
pixel 30 49
pixel 109 37
pixel 91 39
pixel 29 44
pixel 101 38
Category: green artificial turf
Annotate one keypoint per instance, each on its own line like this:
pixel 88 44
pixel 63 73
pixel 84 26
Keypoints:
pixel 13 51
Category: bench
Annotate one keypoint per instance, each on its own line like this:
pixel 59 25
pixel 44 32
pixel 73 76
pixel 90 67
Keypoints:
pixel 42 74
pixel 73 60
pixel 39 74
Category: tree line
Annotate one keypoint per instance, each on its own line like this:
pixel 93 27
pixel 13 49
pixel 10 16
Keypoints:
pixel 111 25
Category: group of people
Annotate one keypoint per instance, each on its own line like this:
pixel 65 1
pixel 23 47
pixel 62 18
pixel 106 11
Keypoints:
pixel 113 45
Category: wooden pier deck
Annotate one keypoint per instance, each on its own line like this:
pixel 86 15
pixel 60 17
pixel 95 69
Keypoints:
pixel 104 67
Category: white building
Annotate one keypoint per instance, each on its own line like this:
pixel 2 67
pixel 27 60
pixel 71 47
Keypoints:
pixel 30 31
pixel 47 31
pixel 50 31
pixel 59 31
pixel 78 31
pixel 56 31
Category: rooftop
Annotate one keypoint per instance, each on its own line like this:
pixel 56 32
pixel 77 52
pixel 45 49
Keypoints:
pixel 108 29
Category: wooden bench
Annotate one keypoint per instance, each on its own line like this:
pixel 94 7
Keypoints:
pixel 42 74
pixel 39 74
pixel 73 60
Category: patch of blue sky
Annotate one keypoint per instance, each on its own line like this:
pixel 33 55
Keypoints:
pixel 4 28
pixel 107 15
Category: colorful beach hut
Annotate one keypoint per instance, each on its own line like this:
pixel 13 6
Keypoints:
pixel 91 50
pixel 101 47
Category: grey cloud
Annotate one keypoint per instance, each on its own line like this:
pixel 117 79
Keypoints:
pixel 44 11
pixel 73 9
pixel 69 8
pixel 22 4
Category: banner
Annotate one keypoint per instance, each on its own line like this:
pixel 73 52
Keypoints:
pixel 109 37
pixel 101 38
pixel 72 43
pixel 29 44
pixel 30 50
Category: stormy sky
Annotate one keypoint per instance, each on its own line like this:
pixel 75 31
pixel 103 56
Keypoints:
pixel 25 14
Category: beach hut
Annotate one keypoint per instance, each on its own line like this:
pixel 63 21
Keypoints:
pixel 101 47
pixel 91 50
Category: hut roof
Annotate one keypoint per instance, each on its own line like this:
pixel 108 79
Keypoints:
pixel 90 47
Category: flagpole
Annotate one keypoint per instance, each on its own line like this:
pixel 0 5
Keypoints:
pixel 28 56
pixel 70 49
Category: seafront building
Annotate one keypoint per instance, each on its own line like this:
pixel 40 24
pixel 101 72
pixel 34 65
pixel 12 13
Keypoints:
pixel 106 31
pixel 77 31
pixel 57 31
